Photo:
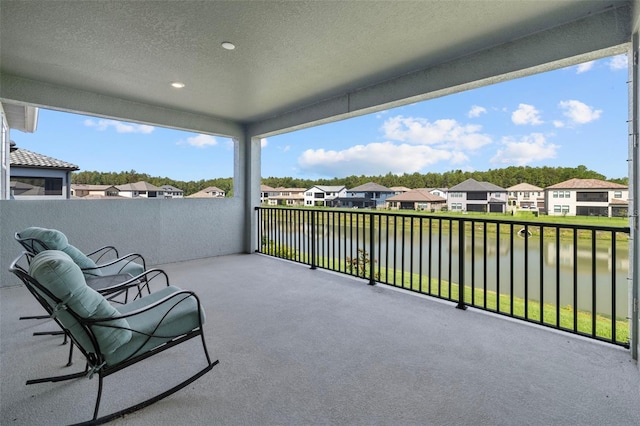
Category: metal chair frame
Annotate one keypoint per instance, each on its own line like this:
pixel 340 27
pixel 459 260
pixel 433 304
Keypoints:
pixel 95 361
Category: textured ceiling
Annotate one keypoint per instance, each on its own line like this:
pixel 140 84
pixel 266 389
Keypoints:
pixel 289 55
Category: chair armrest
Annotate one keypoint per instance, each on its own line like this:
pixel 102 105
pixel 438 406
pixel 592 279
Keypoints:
pixel 142 281
pixel 99 254
pixel 124 260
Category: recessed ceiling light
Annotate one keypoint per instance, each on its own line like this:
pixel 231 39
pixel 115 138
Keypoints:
pixel 177 85
pixel 228 45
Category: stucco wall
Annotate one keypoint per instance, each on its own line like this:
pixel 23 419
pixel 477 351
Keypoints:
pixel 161 230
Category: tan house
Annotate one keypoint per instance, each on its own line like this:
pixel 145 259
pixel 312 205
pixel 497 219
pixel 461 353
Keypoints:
pixel 79 190
pixel 416 199
pixel 587 197
pixel 287 197
pixel 140 189
pixel 209 192
pixel 525 196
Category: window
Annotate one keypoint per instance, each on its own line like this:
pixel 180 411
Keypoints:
pixel 592 196
pixel 555 194
pixel 556 209
pixel 565 209
pixel 617 194
pixel 22 185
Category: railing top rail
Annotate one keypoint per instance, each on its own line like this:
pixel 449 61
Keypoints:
pixel 502 220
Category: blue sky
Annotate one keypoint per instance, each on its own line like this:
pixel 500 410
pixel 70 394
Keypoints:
pixel 572 116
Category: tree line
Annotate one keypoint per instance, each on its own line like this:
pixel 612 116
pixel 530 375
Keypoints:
pixel 506 177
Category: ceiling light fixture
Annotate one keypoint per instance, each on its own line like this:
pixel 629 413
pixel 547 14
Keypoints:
pixel 228 45
pixel 177 85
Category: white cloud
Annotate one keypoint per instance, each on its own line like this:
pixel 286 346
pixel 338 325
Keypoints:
pixel 578 112
pixel 374 158
pixel 528 149
pixel 476 110
pixel 584 67
pixel 381 114
pixel 285 148
pixel 202 141
pixel 558 123
pixel 119 126
pixel 263 142
pixel 619 62
pixel 444 133
pixel 526 114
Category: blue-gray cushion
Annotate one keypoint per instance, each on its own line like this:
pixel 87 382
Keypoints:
pixel 52 238
pixel 169 319
pixel 59 274
pixel 82 261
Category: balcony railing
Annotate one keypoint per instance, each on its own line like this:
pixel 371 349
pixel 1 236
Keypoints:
pixel 568 277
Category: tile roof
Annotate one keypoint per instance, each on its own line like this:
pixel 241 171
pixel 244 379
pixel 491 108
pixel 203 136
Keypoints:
pixel 419 195
pixel 138 186
pixel 524 187
pixel 470 185
pixel 586 184
pixel 25 158
pixel 370 187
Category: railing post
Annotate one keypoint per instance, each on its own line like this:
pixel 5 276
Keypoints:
pixel 372 280
pixel 461 226
pixel 312 236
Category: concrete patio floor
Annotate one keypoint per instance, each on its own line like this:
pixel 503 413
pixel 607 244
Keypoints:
pixel 305 347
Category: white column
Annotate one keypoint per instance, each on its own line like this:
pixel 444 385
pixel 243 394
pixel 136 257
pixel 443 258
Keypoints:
pixel 247 177
pixel 634 190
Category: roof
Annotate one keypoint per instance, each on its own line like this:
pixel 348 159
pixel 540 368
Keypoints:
pixel 206 193
pixel 370 187
pixel 400 188
pixel 266 188
pixel 472 185
pixel 89 187
pixel 417 195
pixel 277 76
pixel 524 187
pixel 326 188
pixel 25 158
pixel 587 184
pixel 170 188
pixel 138 186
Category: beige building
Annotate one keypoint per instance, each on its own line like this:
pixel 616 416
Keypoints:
pixel 587 197
pixel 525 196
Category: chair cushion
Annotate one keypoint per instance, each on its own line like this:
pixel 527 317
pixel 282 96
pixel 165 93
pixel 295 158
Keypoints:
pixel 82 260
pixel 124 266
pixel 165 321
pixel 52 238
pixel 59 274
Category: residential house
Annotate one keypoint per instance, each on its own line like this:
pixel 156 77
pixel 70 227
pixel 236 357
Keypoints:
pixel 587 197
pixel 140 189
pixel 94 191
pixel 416 199
pixel 172 192
pixel 266 192
pixel 209 192
pixel 440 192
pixel 287 197
pixel 525 196
pixel 397 190
pixel 369 195
pixel 321 195
pixel 474 196
pixel 38 177
pixel 13 116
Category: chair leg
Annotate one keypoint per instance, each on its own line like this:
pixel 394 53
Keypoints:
pixel 97 407
pixel 70 361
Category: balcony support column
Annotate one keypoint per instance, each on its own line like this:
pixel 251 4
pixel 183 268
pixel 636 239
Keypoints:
pixel 247 184
pixel 634 184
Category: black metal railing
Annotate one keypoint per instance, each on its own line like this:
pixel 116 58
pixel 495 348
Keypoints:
pixel 568 277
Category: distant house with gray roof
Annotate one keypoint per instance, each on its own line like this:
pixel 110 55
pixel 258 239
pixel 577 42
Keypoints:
pixel 474 196
pixel 171 191
pixel 370 195
pixel 140 189
pixel 35 176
